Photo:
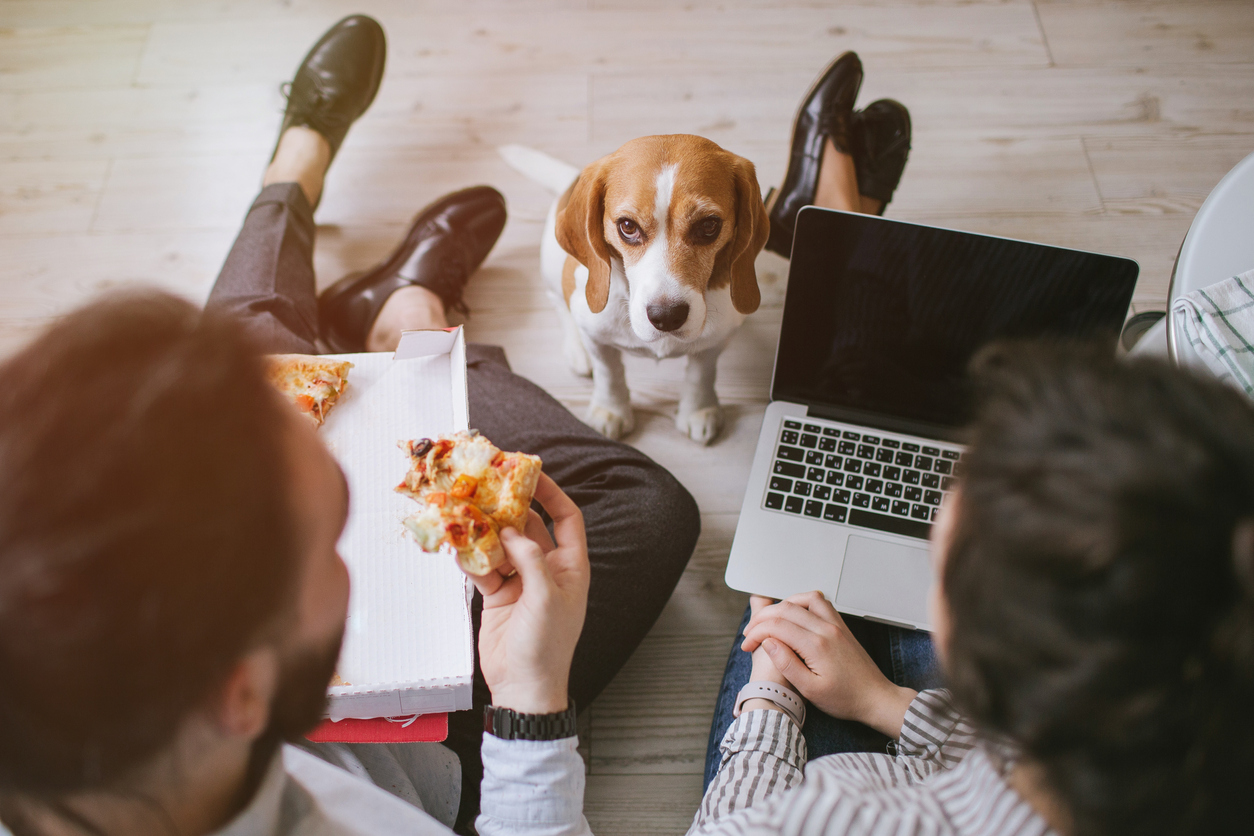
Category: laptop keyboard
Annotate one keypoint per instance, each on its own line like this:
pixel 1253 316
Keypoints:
pixel 843 474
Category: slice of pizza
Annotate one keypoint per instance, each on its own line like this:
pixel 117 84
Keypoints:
pixel 462 479
pixel 313 384
pixel 444 520
pixel 467 466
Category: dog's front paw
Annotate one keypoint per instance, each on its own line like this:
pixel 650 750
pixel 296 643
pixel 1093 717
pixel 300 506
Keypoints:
pixel 611 423
pixel 701 425
pixel 577 357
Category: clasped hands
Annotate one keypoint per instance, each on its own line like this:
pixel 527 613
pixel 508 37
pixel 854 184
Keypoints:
pixel 532 617
pixel 803 642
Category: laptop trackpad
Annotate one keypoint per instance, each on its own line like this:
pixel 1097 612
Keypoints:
pixel 889 579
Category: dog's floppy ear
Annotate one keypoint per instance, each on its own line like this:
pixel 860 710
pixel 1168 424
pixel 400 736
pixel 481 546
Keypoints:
pixel 581 232
pixel 734 263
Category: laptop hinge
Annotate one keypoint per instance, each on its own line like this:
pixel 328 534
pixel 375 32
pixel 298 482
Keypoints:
pixel 884 422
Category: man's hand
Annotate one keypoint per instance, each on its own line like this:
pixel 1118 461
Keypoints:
pixel 808 643
pixel 532 619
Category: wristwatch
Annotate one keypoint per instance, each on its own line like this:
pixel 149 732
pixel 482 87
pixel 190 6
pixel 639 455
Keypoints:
pixel 513 725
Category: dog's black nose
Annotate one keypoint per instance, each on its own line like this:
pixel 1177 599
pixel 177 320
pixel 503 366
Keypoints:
pixel 668 317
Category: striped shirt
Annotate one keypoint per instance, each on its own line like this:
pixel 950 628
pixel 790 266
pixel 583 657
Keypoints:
pixel 943 781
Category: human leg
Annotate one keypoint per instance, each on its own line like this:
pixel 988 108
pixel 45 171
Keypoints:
pixel 904 656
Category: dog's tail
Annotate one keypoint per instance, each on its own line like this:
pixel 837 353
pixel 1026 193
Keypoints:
pixel 550 172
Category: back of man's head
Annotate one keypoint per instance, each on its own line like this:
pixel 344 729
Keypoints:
pixel 144 534
pixel 1100 580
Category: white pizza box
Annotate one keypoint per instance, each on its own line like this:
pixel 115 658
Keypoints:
pixel 408 646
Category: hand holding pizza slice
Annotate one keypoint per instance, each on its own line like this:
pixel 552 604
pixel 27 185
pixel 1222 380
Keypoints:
pixel 469 490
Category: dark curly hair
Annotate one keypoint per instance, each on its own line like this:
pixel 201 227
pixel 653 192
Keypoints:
pixel 1100 582
pixel 145 537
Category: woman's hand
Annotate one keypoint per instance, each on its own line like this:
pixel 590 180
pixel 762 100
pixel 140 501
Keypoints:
pixel 532 619
pixel 807 642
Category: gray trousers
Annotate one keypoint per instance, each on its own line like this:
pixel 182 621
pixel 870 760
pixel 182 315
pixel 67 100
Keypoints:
pixel 641 523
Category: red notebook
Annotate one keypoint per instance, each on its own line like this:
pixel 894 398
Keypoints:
pixel 425 728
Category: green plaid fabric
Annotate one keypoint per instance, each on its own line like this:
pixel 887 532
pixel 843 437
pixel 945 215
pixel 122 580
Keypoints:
pixel 1218 322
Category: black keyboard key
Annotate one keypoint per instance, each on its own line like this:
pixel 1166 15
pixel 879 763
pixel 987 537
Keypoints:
pixel 835 513
pixel 812 441
pixel 853 482
pixel 822 492
pixel 910 477
pixel 884 455
pixel 893 489
pixel 847 448
pixel 931 480
pixel 827 445
pixel 793 454
pixel 841 496
pixel 794 504
pixel 788 437
pixel 801 488
pixel 879 503
pixel 850 436
pixel 920 512
pixel 871 439
pixel 890 442
pixel 932 497
pixel 909 447
pixel 914 494
pixel 862 500
pixel 901 508
pixel 853 466
pixel 952 455
pixel 948 483
pixel 779 484
pixel 874 486
pixel 790 469
pixel 814 509
pixel 835 477
pixel 866 451
pixel 921 462
pixel 793 425
pixel 935 514
pixel 813 428
pixel 831 461
pixel 893 473
pixel 904 459
pixel 943 466
pixel 834 433
pixel 775 501
pixel 814 457
pixel 871 469
pixel 815 474
pixel 893 525
pixel 931 451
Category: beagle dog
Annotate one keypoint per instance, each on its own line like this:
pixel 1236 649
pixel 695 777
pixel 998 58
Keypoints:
pixel 651 250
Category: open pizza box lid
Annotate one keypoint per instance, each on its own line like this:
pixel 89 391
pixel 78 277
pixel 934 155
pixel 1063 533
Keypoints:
pixel 408 647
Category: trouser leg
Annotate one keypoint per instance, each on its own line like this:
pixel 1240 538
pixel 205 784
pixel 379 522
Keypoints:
pixel 641 526
pixel 905 656
pixel 267 282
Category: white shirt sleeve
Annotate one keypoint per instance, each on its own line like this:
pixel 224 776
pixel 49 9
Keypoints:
pixel 532 787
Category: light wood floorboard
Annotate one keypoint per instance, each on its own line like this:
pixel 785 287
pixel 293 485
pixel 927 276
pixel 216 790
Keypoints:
pixel 133 134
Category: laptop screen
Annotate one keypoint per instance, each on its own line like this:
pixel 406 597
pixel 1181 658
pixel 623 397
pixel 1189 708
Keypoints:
pixel 882 317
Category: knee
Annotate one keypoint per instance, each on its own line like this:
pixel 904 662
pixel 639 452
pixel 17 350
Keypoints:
pixel 673 519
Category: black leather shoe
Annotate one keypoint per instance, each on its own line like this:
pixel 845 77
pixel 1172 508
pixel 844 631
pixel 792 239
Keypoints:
pixel 445 244
pixel 825 112
pixel 881 147
pixel 338 79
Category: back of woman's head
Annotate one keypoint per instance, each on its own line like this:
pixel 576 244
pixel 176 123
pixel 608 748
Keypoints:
pixel 1100 580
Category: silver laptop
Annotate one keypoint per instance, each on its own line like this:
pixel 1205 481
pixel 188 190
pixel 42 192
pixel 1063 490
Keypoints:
pixel 861 443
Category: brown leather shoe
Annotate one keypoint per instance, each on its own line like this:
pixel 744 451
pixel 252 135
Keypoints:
pixel 445 244
pixel 826 112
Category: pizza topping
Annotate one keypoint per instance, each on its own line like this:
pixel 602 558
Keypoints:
pixel 464 487
pixel 313 384
pixel 420 447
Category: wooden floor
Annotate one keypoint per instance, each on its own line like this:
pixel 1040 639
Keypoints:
pixel 133 134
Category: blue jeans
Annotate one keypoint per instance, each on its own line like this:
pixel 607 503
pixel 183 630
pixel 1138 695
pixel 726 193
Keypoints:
pixel 905 657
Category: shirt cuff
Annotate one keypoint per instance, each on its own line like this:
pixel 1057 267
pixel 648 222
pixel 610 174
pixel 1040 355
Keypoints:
pixel 930 721
pixel 767 731
pixel 532 782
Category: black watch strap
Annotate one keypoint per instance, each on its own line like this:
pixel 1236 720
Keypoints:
pixel 512 725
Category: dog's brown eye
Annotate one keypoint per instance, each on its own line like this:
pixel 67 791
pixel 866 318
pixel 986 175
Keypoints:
pixel 629 229
pixel 710 228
